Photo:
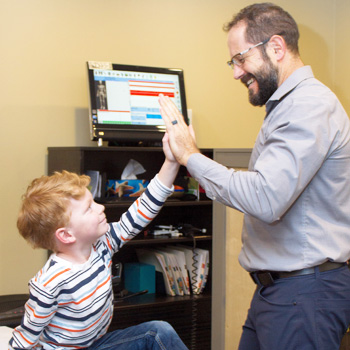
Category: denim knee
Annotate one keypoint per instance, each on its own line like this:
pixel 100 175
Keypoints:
pixel 161 327
pixel 165 335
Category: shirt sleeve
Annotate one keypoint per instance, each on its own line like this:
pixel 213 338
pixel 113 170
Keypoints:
pixel 139 215
pixel 39 310
pixel 290 149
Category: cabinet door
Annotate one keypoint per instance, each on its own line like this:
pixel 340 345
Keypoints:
pixel 191 318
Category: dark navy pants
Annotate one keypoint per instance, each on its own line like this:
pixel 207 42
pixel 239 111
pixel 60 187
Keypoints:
pixel 309 312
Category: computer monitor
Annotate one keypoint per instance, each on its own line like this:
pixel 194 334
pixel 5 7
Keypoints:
pixel 124 106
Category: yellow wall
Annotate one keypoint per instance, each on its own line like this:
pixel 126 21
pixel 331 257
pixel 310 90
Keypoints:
pixel 341 52
pixel 239 285
pixel 43 92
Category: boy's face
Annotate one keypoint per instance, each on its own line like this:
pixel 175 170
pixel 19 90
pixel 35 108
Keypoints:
pixel 88 221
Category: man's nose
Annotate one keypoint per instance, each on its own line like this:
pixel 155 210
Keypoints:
pixel 238 72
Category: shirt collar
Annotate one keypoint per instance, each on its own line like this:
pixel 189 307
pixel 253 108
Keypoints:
pixel 289 84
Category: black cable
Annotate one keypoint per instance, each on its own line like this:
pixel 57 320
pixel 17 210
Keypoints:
pixel 194 303
pixel 195 267
pixel 194 323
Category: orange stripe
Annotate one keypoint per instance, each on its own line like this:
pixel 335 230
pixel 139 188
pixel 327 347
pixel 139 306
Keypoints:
pixel 60 273
pixel 20 333
pixel 39 274
pixel 80 330
pixel 37 316
pixel 145 216
pixel 109 244
pixel 88 296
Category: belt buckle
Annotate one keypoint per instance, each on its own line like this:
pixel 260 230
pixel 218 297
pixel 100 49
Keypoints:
pixel 262 278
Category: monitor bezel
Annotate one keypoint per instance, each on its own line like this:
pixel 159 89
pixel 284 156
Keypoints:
pixel 133 134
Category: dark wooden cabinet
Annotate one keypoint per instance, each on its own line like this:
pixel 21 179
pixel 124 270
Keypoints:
pixel 189 315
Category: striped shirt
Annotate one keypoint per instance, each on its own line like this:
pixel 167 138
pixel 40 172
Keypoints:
pixel 71 305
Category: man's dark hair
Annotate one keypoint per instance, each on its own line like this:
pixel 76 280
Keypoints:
pixel 264 20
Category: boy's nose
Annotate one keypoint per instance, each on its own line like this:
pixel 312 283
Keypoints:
pixel 101 208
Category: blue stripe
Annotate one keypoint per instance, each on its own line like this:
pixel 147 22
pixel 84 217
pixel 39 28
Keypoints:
pixel 72 277
pixel 84 282
pixel 74 308
pixel 90 315
pixel 132 222
pixel 114 235
pixel 30 330
pixel 153 199
pixel 153 212
pixel 38 301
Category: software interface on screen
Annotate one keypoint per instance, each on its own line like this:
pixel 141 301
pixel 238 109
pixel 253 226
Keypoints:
pixel 127 97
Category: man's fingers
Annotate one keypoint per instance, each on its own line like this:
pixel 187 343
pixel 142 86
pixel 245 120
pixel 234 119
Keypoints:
pixel 192 132
pixel 170 113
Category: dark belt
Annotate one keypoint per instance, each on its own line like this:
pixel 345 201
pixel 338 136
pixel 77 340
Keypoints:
pixel 267 278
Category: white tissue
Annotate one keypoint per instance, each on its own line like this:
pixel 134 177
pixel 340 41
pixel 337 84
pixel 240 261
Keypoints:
pixel 132 169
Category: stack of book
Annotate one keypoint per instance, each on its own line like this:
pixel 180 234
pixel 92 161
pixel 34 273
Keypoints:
pixel 184 270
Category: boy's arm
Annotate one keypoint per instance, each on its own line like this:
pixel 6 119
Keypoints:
pixel 37 315
pixel 146 208
pixel 139 214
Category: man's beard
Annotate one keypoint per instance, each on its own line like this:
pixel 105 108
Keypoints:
pixel 267 80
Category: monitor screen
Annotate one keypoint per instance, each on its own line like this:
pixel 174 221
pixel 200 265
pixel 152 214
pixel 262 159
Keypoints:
pixel 124 104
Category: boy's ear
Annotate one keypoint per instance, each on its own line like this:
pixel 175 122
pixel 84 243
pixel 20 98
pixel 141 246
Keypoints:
pixel 64 236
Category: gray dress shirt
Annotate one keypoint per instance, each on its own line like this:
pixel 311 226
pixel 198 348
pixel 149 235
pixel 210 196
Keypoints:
pixel 296 193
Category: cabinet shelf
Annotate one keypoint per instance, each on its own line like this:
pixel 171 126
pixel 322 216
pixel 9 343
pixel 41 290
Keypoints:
pixel 157 299
pixel 151 240
pixel 125 203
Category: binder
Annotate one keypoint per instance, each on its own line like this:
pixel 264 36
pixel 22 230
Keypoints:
pixel 181 260
pixel 192 269
pixel 184 269
pixel 197 261
pixel 171 262
pixel 204 268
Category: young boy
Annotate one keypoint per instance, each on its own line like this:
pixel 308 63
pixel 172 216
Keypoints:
pixel 71 298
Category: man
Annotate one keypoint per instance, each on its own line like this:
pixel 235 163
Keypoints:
pixel 295 195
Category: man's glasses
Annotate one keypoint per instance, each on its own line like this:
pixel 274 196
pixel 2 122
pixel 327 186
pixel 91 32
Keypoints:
pixel 238 59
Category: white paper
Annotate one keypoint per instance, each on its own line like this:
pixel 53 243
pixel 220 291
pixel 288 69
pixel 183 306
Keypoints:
pixel 132 169
pixel 5 336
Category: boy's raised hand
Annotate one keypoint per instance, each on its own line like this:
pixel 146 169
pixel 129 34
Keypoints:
pixel 170 167
pixel 167 150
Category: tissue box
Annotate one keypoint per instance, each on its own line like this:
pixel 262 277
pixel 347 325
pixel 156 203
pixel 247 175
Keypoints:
pixel 125 188
pixel 139 277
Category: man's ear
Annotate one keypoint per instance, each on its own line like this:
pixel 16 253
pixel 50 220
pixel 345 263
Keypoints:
pixel 278 46
pixel 64 236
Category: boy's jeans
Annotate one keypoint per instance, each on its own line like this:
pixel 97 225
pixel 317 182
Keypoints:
pixel 153 335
